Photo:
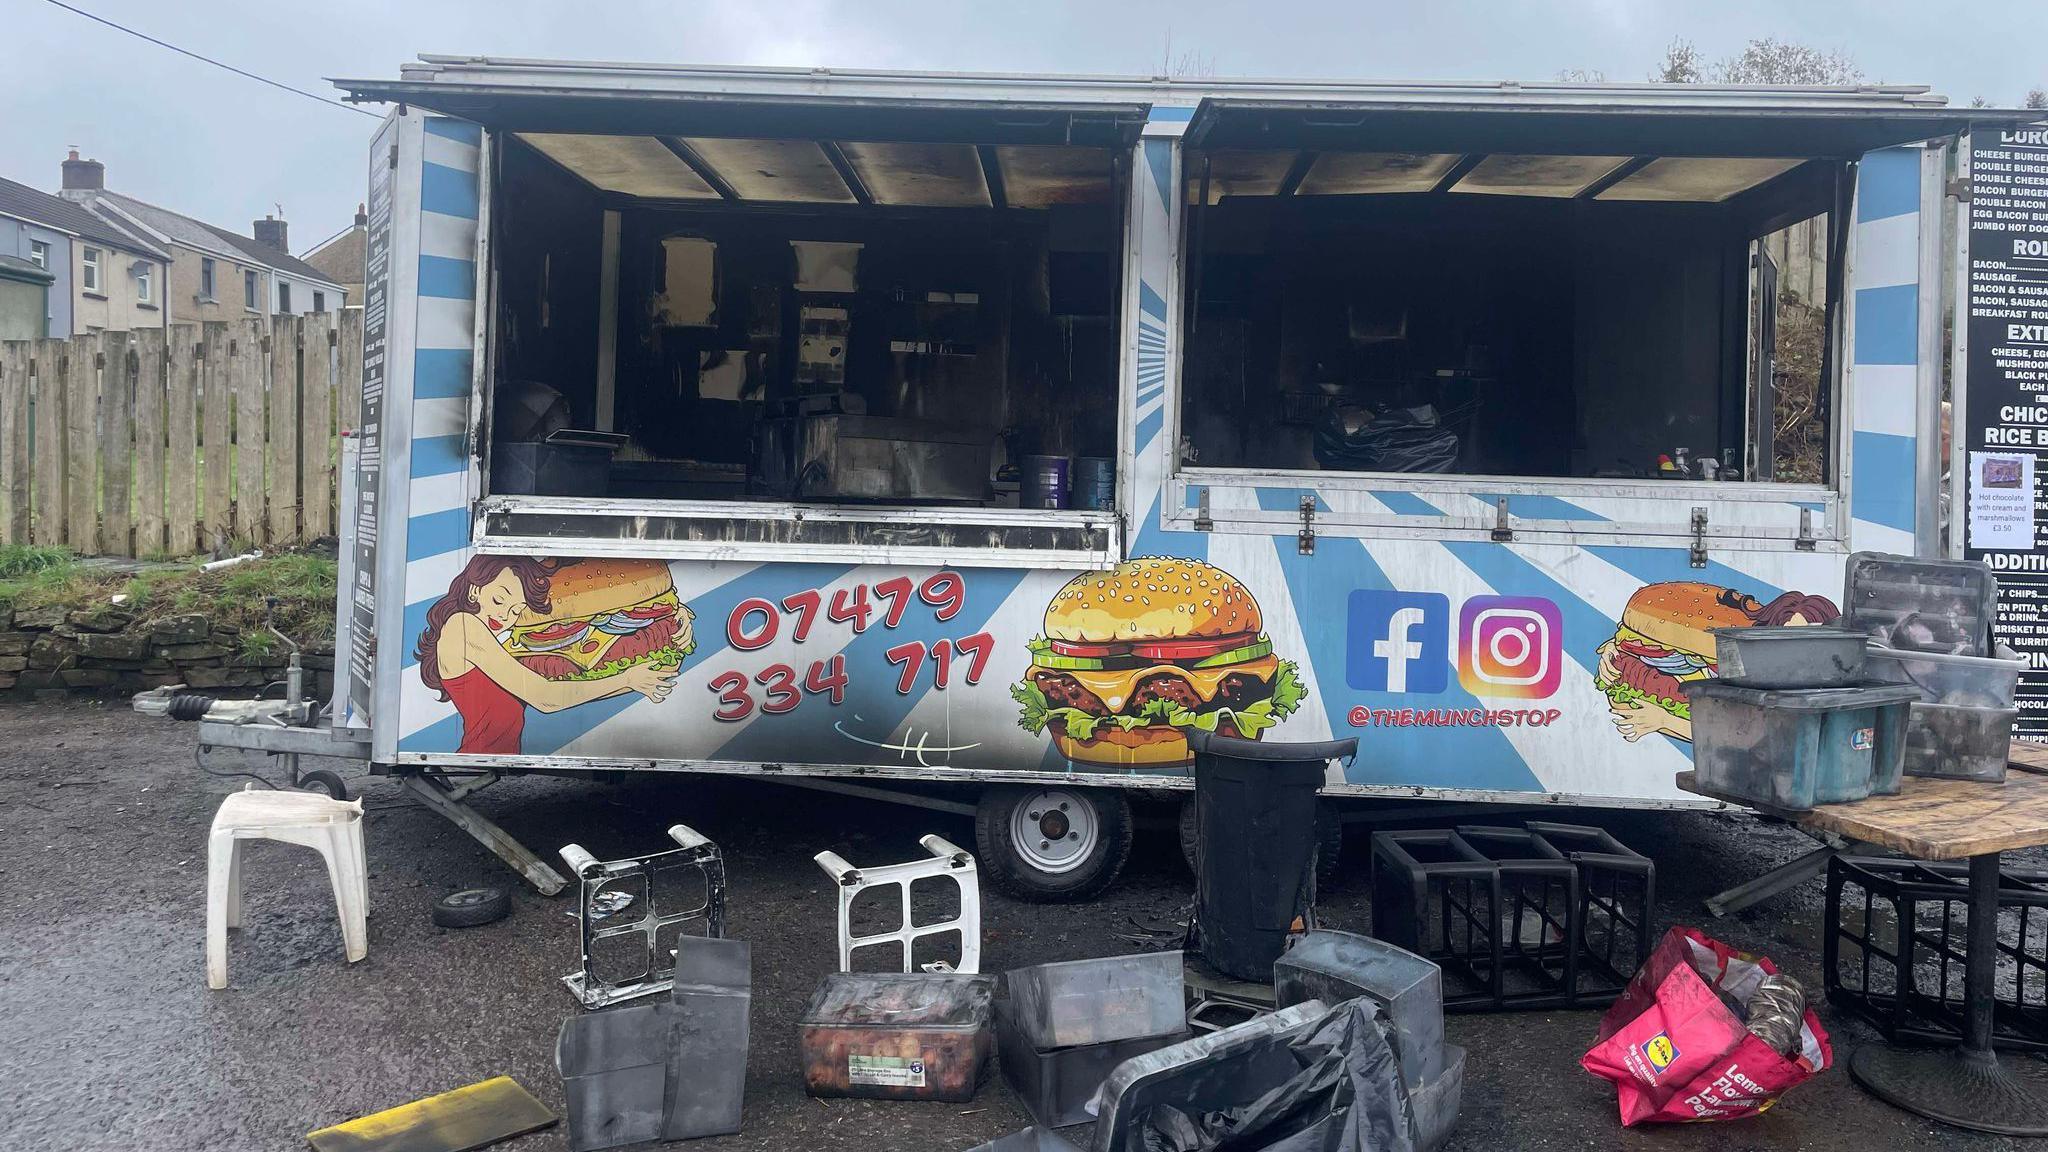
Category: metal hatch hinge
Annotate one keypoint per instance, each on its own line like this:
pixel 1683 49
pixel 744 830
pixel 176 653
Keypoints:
pixel 1699 537
pixel 1202 521
pixel 1805 542
pixel 1501 532
pixel 1958 189
pixel 1305 540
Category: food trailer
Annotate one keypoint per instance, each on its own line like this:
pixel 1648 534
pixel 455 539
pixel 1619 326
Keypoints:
pixel 1000 430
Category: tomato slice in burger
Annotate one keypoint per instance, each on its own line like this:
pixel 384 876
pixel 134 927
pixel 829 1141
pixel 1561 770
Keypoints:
pixel 1192 648
pixel 650 611
pixel 560 630
pixel 1095 651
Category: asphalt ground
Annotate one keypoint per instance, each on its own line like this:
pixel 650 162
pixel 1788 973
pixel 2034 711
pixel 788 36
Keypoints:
pixel 113 1041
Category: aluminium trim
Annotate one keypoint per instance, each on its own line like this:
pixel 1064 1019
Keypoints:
pixel 1160 783
pixel 1927 359
pixel 1959 353
pixel 1085 560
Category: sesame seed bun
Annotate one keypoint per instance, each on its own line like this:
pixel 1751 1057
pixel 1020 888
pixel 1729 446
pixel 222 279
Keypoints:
pixel 588 587
pixel 1681 615
pixel 1151 598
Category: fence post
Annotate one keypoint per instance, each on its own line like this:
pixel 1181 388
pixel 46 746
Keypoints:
pixel 149 441
pixel 48 448
pixel 218 471
pixel 284 429
pixel 183 374
pixel 247 339
pixel 14 416
pixel 316 431
pixel 117 444
pixel 348 412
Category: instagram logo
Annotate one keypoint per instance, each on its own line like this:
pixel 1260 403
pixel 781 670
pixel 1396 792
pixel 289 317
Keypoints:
pixel 1510 646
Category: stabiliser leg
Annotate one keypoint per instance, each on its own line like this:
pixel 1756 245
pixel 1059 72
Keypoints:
pixel 452 803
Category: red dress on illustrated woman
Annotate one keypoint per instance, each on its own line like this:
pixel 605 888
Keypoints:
pixel 493 719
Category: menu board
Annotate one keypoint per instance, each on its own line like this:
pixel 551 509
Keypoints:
pixel 362 617
pixel 1998 502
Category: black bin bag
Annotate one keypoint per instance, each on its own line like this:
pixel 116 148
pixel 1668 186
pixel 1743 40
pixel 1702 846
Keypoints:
pixel 1339 1090
pixel 1353 438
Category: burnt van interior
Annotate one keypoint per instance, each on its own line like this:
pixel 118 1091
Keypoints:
pixel 1468 309
pixel 809 321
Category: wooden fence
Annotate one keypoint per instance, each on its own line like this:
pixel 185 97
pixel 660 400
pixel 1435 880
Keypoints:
pixel 177 441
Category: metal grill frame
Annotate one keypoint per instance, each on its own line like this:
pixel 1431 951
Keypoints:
pixel 693 854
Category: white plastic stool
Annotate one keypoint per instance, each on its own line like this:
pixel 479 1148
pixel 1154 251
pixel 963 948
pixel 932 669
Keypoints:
pixel 946 860
pixel 332 828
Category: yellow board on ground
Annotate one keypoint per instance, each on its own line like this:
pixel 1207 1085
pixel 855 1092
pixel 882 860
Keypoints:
pixel 472 1117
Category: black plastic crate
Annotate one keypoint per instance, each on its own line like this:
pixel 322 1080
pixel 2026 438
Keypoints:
pixel 1897 944
pixel 1543 916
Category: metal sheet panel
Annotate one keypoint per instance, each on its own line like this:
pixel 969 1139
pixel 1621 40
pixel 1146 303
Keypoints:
pixel 634 165
pixel 1554 176
pixel 926 175
pixel 1238 172
pixel 1040 176
pixel 783 171
pixel 1350 173
pixel 1697 178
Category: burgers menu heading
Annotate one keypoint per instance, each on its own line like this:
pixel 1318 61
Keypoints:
pixel 2005 425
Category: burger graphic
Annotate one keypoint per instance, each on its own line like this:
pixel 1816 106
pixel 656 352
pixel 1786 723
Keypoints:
pixel 1666 640
pixel 604 617
pixel 1133 658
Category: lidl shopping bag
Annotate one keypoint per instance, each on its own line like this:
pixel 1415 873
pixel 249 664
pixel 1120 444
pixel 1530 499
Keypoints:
pixel 1678 1052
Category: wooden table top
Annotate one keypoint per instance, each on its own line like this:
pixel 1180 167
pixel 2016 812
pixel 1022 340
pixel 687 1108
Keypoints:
pixel 1931 819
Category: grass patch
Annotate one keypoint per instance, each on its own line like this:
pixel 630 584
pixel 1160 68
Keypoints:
pixel 236 597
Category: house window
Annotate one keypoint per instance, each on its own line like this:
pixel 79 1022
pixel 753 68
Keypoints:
pixel 249 288
pixel 284 297
pixel 143 275
pixel 205 278
pixel 91 279
pixel 39 254
pixel 319 301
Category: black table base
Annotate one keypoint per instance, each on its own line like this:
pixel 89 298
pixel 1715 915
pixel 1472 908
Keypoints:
pixel 1967 1087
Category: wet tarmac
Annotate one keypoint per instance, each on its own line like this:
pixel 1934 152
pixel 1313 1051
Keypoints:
pixel 112 1040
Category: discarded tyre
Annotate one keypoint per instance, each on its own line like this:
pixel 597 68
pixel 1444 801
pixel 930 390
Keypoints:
pixel 472 907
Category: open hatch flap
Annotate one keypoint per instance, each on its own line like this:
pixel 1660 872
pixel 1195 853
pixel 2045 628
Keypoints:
pixel 767 104
pixel 1606 120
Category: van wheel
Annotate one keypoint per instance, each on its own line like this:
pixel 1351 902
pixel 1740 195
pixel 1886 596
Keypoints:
pixel 1048 845
pixel 1329 840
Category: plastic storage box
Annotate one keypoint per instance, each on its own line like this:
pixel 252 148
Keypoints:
pixel 1924 605
pixel 1976 681
pixel 897 1036
pixel 1793 749
pixel 1096 1001
pixel 1337 966
pixel 1955 742
pixel 1057 1084
pixel 1801 656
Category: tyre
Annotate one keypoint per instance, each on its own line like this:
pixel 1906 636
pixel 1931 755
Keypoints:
pixel 321 780
pixel 1052 844
pixel 472 907
pixel 1329 840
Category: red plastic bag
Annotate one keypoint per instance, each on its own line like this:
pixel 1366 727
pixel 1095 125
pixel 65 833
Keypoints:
pixel 1677 1053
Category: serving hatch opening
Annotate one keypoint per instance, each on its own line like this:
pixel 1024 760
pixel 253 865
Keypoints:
pixel 738 332
pixel 1486 305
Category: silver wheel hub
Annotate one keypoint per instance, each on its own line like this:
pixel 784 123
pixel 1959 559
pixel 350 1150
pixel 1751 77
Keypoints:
pixel 1055 830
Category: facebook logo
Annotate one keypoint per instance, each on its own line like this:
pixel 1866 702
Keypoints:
pixel 1398 641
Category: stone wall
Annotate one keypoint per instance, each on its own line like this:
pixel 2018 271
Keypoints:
pixel 107 649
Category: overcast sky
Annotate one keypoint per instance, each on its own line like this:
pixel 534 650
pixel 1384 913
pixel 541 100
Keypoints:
pixel 214 145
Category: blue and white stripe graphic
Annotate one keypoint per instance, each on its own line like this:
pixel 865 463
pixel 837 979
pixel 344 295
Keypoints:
pixel 1885 296
pixel 444 483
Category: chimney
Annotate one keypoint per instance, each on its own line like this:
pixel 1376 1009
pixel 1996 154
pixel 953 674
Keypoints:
pixel 84 175
pixel 362 217
pixel 269 230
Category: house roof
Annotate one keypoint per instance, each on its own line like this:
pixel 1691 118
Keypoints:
pixel 59 214
pixel 174 227
pixel 276 258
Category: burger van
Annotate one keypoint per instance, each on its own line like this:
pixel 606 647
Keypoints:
pixel 868 429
